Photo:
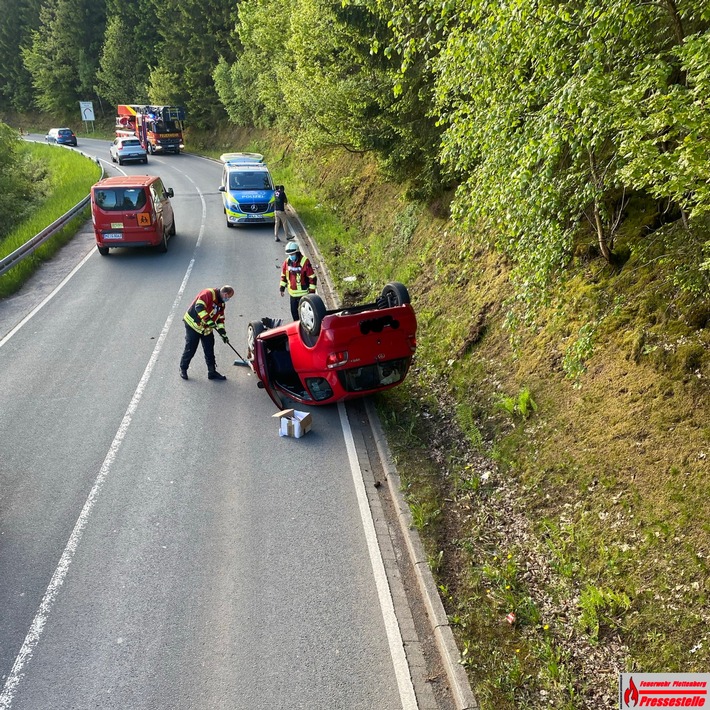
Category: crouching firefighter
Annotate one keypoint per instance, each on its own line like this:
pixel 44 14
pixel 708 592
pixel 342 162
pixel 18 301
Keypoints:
pixel 205 315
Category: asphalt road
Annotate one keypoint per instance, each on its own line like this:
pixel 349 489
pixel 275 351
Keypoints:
pixel 161 547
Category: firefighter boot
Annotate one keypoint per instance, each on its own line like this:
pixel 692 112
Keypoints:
pixel 183 373
pixel 214 375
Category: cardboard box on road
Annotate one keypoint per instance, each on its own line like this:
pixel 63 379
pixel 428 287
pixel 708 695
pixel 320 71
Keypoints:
pixel 294 423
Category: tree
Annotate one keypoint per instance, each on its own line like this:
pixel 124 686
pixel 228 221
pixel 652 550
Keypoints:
pixel 18 18
pixel 130 48
pixel 194 35
pixel 64 53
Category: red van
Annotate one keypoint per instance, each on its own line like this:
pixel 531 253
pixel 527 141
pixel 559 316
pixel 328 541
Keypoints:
pixel 132 211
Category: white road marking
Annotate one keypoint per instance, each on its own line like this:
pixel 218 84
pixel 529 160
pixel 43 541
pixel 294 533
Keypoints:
pixel 55 584
pixel 48 299
pixel 399 659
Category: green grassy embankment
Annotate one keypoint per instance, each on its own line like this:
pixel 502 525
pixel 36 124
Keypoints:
pixel 62 179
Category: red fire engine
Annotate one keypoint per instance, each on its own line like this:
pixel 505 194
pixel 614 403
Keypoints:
pixel 159 128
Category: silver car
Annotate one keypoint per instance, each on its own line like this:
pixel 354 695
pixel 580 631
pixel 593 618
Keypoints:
pixel 125 149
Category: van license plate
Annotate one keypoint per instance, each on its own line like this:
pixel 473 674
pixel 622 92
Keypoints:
pixel 113 235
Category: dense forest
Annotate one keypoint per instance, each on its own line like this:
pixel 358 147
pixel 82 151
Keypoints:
pixel 543 184
pixel 569 110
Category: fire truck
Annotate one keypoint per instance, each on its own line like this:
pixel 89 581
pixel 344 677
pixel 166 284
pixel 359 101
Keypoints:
pixel 159 128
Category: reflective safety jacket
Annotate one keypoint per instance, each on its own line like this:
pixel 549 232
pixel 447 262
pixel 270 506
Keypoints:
pixel 298 277
pixel 208 307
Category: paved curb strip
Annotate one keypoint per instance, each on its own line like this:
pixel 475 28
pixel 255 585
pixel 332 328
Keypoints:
pixel 458 680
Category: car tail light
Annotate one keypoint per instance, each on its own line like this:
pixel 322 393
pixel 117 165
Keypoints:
pixel 412 342
pixel 336 359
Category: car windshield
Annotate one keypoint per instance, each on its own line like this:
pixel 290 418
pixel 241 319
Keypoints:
pixel 120 198
pixel 249 181
pixel 369 377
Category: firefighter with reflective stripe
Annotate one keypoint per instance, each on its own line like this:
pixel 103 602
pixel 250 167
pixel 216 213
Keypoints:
pixel 297 275
pixel 205 314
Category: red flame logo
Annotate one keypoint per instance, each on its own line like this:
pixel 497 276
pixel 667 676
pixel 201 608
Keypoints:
pixel 632 694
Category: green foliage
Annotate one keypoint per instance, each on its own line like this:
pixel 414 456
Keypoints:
pixel 574 362
pixel 18 19
pixel 62 178
pixel 63 55
pixel 120 81
pixel 521 406
pixel 16 183
pixel 601 608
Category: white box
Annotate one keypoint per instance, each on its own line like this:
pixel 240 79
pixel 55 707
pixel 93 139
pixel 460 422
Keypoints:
pixel 294 423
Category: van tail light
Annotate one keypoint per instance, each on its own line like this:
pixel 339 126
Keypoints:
pixel 336 359
pixel 412 342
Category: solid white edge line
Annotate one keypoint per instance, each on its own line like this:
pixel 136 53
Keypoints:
pixel 55 584
pixel 394 637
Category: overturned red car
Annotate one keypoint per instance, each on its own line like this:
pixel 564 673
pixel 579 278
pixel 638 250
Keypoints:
pixel 329 356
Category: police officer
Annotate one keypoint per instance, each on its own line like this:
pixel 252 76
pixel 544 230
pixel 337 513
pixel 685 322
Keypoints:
pixel 297 276
pixel 205 315
pixel 280 217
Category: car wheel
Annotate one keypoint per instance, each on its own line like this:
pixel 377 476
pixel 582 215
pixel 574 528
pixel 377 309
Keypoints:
pixel 395 294
pixel 254 329
pixel 120 161
pixel 102 250
pixel 145 160
pixel 229 224
pixel 172 228
pixel 311 311
pixel 163 246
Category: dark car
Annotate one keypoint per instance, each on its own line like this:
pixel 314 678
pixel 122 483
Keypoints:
pixel 329 356
pixel 62 136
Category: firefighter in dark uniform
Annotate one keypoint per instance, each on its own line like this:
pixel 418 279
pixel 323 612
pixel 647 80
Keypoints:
pixel 297 276
pixel 205 315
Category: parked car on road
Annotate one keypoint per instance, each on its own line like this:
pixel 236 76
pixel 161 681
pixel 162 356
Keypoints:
pixel 62 136
pixel 125 150
pixel 132 211
pixel 247 189
pixel 329 356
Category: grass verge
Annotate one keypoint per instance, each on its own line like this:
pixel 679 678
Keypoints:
pixel 65 179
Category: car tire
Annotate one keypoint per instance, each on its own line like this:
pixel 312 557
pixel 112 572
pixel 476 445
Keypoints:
pixel 163 246
pixel 172 228
pixel 395 294
pixel 145 160
pixel 254 329
pixel 229 224
pixel 311 311
pixel 102 250
pixel 120 161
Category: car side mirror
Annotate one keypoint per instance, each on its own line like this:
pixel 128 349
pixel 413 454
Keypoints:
pixel 170 192
pixel 222 188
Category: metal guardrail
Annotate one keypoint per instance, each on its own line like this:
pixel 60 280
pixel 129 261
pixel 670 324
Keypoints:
pixel 29 247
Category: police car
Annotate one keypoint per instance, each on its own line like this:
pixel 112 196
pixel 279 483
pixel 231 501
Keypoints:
pixel 247 189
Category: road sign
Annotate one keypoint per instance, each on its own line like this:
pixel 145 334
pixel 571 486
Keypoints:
pixel 87 110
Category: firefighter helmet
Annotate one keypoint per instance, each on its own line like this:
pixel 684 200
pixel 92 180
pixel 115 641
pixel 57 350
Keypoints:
pixel 292 248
